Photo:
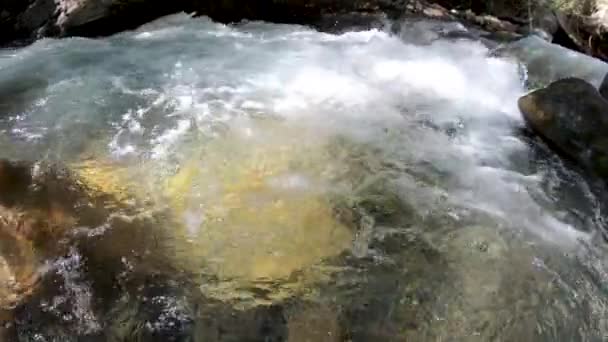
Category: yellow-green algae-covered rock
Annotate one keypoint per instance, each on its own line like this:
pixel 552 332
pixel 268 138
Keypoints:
pixel 256 210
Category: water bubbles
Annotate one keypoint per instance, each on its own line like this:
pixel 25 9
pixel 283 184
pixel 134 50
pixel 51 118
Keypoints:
pixel 74 305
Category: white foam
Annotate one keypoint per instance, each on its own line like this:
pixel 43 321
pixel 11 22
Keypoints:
pixel 446 104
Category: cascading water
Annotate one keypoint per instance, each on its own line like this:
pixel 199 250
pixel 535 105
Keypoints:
pixel 363 186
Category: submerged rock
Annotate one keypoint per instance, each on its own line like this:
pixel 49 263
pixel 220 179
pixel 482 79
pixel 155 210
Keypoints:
pixel 573 116
pixel 76 263
pixel 255 213
pixel 546 62
pixel 41 206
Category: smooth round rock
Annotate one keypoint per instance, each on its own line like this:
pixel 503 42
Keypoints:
pixel 573 116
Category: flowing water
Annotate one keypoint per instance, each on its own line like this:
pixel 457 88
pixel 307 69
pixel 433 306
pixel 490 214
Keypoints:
pixel 274 183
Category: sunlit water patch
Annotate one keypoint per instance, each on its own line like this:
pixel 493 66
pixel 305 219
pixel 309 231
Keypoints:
pixel 377 183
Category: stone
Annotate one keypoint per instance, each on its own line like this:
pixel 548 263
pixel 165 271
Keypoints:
pixel 604 87
pixel 229 240
pixel 37 15
pixel 573 117
pixel 546 62
pixel 79 12
pixel 436 11
pixel 39 206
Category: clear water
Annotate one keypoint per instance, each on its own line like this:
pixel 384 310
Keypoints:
pixel 299 186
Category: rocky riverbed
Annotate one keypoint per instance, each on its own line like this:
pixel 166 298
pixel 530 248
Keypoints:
pixel 194 181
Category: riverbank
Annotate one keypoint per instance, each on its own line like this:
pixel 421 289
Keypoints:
pixel 25 21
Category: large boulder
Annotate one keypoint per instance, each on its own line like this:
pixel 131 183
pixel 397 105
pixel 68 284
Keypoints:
pixel 573 117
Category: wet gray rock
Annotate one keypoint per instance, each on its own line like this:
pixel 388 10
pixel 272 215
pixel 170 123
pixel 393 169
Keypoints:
pixel 573 117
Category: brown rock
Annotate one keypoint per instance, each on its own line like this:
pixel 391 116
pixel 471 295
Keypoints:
pixel 39 205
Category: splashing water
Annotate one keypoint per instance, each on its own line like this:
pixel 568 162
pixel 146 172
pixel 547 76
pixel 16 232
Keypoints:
pixel 387 180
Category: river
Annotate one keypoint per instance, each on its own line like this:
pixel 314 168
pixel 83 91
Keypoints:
pixel 360 186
